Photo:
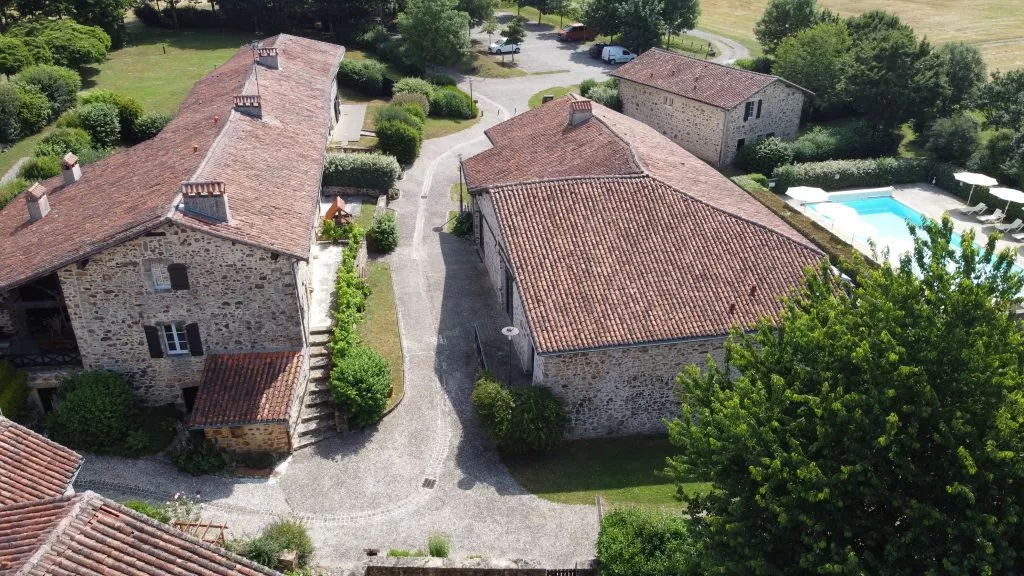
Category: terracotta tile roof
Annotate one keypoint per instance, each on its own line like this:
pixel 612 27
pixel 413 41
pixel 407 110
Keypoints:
pixel 246 388
pixel 89 535
pixel 670 251
pixel 271 169
pixel 32 467
pixel 715 84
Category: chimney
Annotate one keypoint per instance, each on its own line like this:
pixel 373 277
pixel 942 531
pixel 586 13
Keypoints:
pixel 70 168
pixel 206 199
pixel 579 112
pixel 267 57
pixel 250 105
pixel 38 202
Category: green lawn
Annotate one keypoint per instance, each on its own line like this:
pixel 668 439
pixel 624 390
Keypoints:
pixel 556 91
pixel 625 471
pixel 379 328
pixel 488 66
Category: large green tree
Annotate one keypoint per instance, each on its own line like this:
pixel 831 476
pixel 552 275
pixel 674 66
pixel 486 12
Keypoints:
pixel 965 71
pixel 640 24
pixel 679 15
pixel 817 59
pixel 13 56
pixel 514 33
pixel 434 32
pixel 71 44
pixel 877 428
pixel 1002 100
pixel 893 77
pixel 782 18
pixel 603 16
pixel 478 10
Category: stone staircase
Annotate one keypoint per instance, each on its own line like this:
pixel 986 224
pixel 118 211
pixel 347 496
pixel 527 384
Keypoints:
pixel 316 417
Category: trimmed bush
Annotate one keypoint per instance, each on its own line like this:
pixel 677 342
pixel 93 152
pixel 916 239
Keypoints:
pixel 450 102
pixel 70 119
pixel 396 113
pixel 440 79
pixel 59 85
pixel 399 140
pixel 606 96
pixel 463 224
pixel 644 542
pixel 953 139
pixel 276 538
pixel 519 420
pixel 362 385
pixel 764 156
pixel 414 109
pixel 150 125
pixel 100 120
pixel 412 98
pixel 851 141
pixel 377 171
pixel 33 109
pixel 129 111
pixel 493 404
pixel 414 86
pixel 197 457
pixel 40 168
pixel 761 179
pixel 95 412
pixel 90 155
pixel 839 174
pixel 10 189
pixel 383 234
pixel 13 391
pixel 63 140
pixel 366 76
pixel 154 511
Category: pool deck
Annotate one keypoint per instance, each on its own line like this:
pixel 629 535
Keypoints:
pixel 932 202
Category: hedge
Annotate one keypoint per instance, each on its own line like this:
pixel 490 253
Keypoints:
pixel 33 109
pixel 850 141
pixel 520 420
pixel 377 171
pixel 764 156
pixel 151 124
pixel 410 98
pixel 40 168
pixel 101 121
pixel 63 140
pixel 96 412
pixel 366 76
pixel 839 174
pixel 413 85
pixel 450 102
pixel 399 140
pixel 60 85
pixel 397 113
pixel 129 111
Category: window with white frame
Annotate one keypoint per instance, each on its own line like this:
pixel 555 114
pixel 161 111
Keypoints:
pixel 161 277
pixel 176 339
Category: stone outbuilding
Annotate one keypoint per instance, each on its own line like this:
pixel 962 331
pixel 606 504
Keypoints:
pixel 249 403
pixel 621 258
pixel 191 245
pixel 710 109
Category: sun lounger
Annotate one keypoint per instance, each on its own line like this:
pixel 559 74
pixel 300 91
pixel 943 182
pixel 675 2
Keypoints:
pixel 1011 227
pixel 978 208
pixel 992 218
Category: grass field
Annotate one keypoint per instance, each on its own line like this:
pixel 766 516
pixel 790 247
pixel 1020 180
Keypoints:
pixel 379 328
pixel 997 26
pixel 625 471
pixel 556 91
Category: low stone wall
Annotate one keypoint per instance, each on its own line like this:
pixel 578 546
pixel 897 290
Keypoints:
pixel 384 566
pixel 352 191
pixel 271 438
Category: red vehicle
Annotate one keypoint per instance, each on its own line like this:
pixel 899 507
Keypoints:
pixel 576 32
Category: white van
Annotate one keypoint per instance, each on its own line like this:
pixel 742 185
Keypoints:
pixel 616 55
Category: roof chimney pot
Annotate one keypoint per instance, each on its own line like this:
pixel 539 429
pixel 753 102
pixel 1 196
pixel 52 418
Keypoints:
pixel 579 112
pixel 249 104
pixel 38 202
pixel 70 169
pixel 268 58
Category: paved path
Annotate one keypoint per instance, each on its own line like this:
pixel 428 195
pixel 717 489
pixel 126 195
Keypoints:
pixel 350 123
pixel 13 172
pixel 728 50
pixel 365 489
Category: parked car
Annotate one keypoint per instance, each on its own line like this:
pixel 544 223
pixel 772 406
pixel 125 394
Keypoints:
pixel 503 47
pixel 616 55
pixel 595 50
pixel 576 32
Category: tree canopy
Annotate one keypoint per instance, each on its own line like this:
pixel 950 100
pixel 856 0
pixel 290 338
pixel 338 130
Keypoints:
pixel 603 16
pixel 1002 100
pixel 13 56
pixel 680 15
pixel 965 71
pixel 640 24
pixel 72 45
pixel 817 59
pixel 877 428
pixel 434 32
pixel 782 18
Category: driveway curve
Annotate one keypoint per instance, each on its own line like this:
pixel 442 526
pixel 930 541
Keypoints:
pixel 370 489
pixel 729 50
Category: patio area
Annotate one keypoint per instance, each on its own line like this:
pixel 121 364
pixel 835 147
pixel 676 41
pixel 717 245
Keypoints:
pixel 928 200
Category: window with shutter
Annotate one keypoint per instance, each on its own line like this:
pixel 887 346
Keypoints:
pixel 758 108
pixel 195 343
pixel 179 276
pixel 748 111
pixel 175 339
pixel 156 349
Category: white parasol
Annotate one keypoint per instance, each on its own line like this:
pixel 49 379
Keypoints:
pixel 1008 194
pixel 974 179
pixel 807 194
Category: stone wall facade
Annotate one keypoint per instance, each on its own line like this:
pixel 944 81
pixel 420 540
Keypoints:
pixel 781 109
pixel 710 133
pixel 695 126
pixel 271 438
pixel 623 391
pixel 243 299
pixel 7 326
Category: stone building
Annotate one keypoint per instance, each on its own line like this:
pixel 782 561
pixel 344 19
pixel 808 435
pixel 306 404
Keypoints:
pixel 621 258
pixel 188 248
pixel 709 109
